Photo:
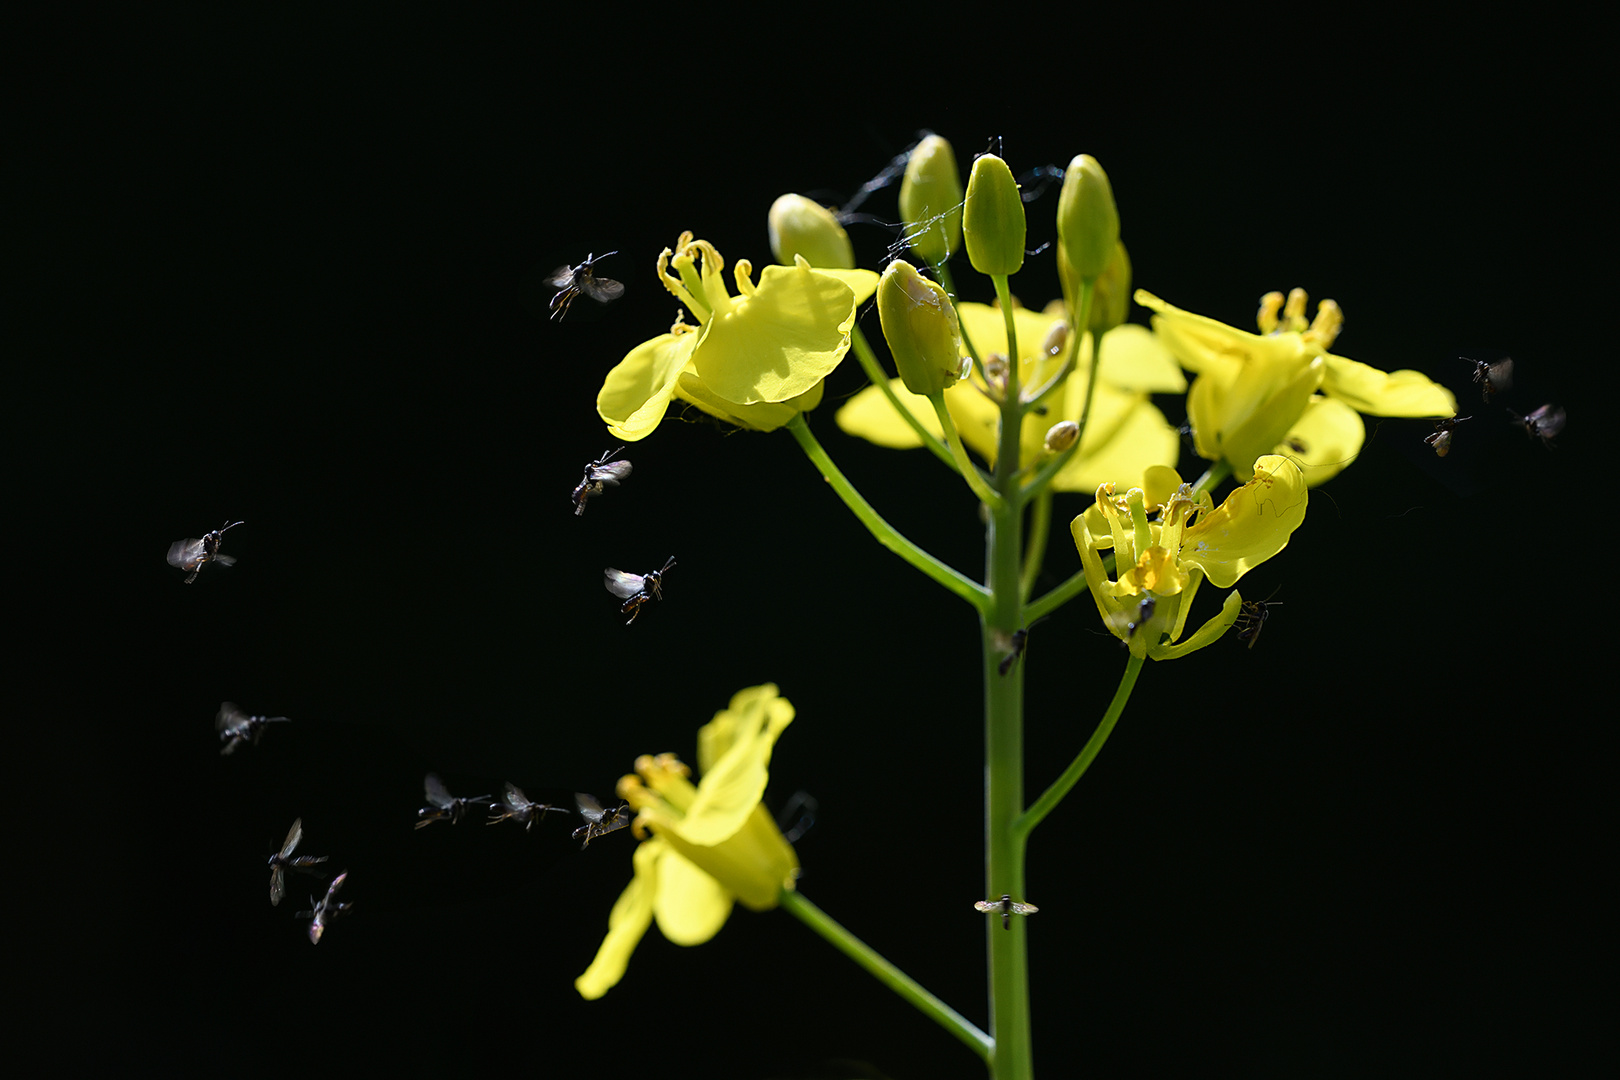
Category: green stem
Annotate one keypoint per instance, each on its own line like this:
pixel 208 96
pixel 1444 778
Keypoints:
pixel 1077 768
pixel 1213 475
pixel 964 464
pixel 1040 527
pixel 1004 298
pixel 1063 593
pixel 886 534
pixel 880 379
pixel 887 974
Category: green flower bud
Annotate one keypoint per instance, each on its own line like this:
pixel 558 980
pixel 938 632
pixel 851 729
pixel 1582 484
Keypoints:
pixel 1110 303
pixel 993 218
pixel 1087 219
pixel 931 200
pixel 800 226
pixel 920 326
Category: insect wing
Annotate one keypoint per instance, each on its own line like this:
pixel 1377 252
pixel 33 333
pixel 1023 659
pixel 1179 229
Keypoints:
pixel 561 278
pixel 186 554
pixel 229 719
pixel 1547 421
pixel 294 835
pixel 278 883
pixel 989 907
pixel 589 808
pixel 1023 909
pixel 602 290
pixel 437 793
pixel 612 473
pixel 621 584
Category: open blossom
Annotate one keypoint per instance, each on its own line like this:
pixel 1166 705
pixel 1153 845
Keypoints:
pixel 1162 563
pixel 1281 391
pixel 704 846
pixel 755 359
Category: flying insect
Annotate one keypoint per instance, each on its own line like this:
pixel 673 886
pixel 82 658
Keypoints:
pixel 191 553
pixel 516 806
pixel 1440 439
pixel 1492 378
pixel 598 822
pixel 635 589
pixel 1006 907
pixel 236 727
pixel 444 805
pixel 1542 424
pixel 570 281
pixel 326 910
pixel 600 474
pixel 285 860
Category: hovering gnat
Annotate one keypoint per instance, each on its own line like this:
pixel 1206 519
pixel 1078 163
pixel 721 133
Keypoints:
pixel 284 860
pixel 516 806
pixel 1542 424
pixel 1006 907
pixel 570 281
pixel 800 810
pixel 191 554
pixel 600 474
pixel 598 822
pixel 236 727
pixel 1492 378
pixel 636 589
pixel 1252 618
pixel 1440 439
pixel 326 910
pixel 1132 621
pixel 1013 645
pixel 444 805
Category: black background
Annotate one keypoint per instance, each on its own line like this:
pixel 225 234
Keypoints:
pixel 287 269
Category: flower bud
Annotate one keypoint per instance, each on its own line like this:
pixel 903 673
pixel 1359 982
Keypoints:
pixel 920 326
pixel 931 200
pixel 1087 219
pixel 1059 437
pixel 993 218
pixel 1110 303
pixel 801 226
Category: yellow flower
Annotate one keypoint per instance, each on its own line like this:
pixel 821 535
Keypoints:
pixel 1162 563
pixel 754 360
pixel 709 844
pixel 1281 391
pixel 1125 434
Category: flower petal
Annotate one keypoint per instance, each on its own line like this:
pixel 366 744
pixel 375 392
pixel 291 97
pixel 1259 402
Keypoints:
pixel 1395 393
pixel 1252 525
pixel 779 342
pixel 868 415
pixel 764 416
pixel 636 393
pixel 1139 440
pixel 1207 634
pixel 628 921
pixel 1327 438
pixel 734 753
pixel 690 906
pixel 1134 359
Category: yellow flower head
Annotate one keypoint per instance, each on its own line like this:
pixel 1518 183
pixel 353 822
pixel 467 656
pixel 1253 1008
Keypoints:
pixel 1124 436
pixel 704 845
pixel 755 359
pixel 1281 391
pixel 1162 563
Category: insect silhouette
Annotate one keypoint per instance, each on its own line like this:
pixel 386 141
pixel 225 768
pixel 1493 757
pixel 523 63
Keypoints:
pixel 190 554
pixel 1006 907
pixel 444 805
pixel 570 281
pixel 600 474
pixel 326 910
pixel 1133 620
pixel 1252 618
pixel 516 806
pixel 1015 644
pixel 1542 424
pixel 1440 439
pixel 635 589
pixel 1492 378
pixel 236 727
pixel 285 860
pixel 598 822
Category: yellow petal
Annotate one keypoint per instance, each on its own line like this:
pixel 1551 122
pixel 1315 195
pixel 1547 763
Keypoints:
pixel 690 906
pixel 765 416
pixel 737 748
pixel 628 921
pixel 1140 440
pixel 1260 431
pixel 1206 634
pixel 1252 525
pixel 637 391
pixel 1396 393
pixel 1201 344
pixel 779 342
pixel 1134 359
pixel 1326 439
pixel 868 415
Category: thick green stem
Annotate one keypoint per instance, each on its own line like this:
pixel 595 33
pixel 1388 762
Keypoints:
pixel 1077 768
pixel 889 975
pixel 886 534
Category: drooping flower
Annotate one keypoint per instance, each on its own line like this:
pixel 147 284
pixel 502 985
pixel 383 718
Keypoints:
pixel 1281 391
pixel 1124 435
pixel 1162 563
pixel 754 360
pixel 705 845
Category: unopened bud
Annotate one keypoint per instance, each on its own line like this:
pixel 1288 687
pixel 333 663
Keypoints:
pixel 920 326
pixel 993 218
pixel 1087 219
pixel 801 226
pixel 1110 303
pixel 1059 437
pixel 931 200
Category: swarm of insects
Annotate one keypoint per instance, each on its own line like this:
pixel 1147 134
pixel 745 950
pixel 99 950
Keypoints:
pixel 516 806
pixel 598 822
pixel 1006 907
pixel 635 589
pixel 1440 439
pixel 285 860
pixel 1492 378
pixel 190 554
pixel 570 281
pixel 442 805
pixel 236 727
pixel 600 474
pixel 1542 424
pixel 326 910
